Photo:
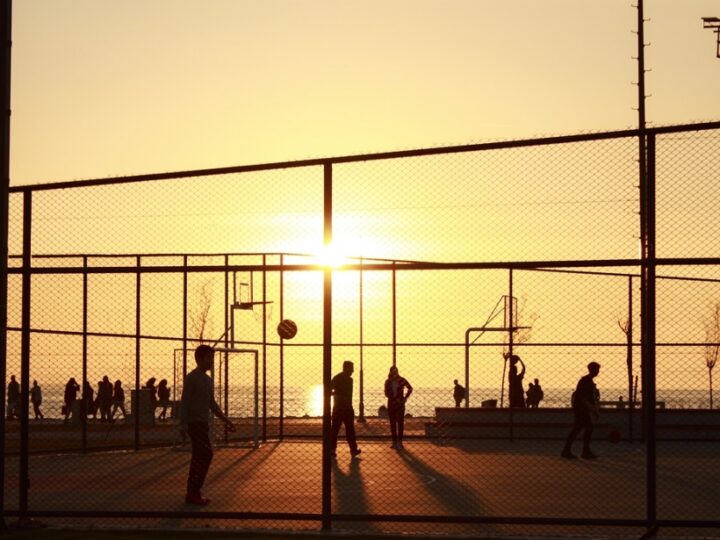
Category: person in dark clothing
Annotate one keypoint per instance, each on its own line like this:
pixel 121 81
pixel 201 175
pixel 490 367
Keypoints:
pixel 104 398
pixel 163 398
pixel 515 384
pixel 36 400
pixel 585 401
pixel 13 398
pixel 395 392
pixel 88 401
pixel 195 405
pixel 342 411
pixel 150 385
pixel 458 393
pixel 118 400
pixel 71 390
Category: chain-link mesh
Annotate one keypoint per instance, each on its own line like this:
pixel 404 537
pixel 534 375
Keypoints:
pixel 446 267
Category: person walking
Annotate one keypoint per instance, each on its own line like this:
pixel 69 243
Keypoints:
pixel 118 400
pixel 13 398
pixel 342 410
pixel 397 390
pixel 458 393
pixel 163 393
pixel 585 402
pixel 71 391
pixel 196 403
pixel 36 400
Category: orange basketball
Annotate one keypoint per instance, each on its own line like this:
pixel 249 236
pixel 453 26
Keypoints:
pixel 287 329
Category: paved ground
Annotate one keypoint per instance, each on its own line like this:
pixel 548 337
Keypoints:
pixel 490 478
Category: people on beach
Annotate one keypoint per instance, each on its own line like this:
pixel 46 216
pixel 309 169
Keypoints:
pixel 13 398
pixel 163 393
pixel 515 384
pixel 342 410
pixel 196 403
pixel 36 400
pixel 105 398
pixel 150 385
pixel 88 399
pixel 118 400
pixel 71 390
pixel 458 393
pixel 585 405
pixel 534 394
pixel 397 391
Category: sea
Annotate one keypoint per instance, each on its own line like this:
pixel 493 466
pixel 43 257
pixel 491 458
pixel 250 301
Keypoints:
pixel 307 401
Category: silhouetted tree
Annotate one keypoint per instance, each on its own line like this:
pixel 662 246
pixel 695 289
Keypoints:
pixel 199 316
pixel 712 344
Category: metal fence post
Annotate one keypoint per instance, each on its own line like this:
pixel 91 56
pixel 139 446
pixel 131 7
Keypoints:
pixel 5 57
pixel 25 353
pixel 647 194
pixel 327 354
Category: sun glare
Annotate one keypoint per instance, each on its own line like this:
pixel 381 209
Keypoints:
pixel 332 256
pixel 315 400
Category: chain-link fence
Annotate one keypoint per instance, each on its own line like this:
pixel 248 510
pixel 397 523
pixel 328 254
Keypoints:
pixel 447 264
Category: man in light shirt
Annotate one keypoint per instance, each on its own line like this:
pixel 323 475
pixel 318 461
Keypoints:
pixel 196 403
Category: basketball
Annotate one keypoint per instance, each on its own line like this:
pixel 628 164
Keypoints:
pixel 287 329
pixel 614 436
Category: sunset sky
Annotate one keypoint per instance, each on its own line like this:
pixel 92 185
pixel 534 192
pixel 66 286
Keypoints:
pixel 103 89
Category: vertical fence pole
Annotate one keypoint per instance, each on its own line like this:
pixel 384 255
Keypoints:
pixel 185 316
pixel 226 354
pixel 511 335
pixel 25 354
pixel 136 403
pixel 361 405
pixel 83 408
pixel 648 329
pixel 5 57
pixel 631 400
pixel 394 314
pixel 282 352
pixel 327 352
pixel 264 348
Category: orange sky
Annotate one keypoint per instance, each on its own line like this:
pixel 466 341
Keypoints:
pixel 133 87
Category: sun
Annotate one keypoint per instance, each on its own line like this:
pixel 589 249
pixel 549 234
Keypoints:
pixel 332 255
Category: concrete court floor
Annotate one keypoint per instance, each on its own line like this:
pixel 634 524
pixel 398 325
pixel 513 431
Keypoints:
pixel 481 478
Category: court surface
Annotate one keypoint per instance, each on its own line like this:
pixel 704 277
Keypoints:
pixel 521 479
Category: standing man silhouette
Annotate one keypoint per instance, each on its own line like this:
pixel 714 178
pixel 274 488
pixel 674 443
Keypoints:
pixel 458 393
pixel 195 405
pixel 342 411
pixel 585 401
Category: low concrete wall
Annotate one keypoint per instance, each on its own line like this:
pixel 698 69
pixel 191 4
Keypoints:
pixel 546 423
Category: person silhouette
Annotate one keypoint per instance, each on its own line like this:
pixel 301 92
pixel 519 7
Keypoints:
pixel 585 401
pixel 163 393
pixel 539 395
pixel 515 385
pixel 395 392
pixel 150 385
pixel 196 402
pixel 36 400
pixel 342 410
pixel 13 398
pixel 88 399
pixel 530 396
pixel 71 390
pixel 105 398
pixel 458 393
pixel 118 400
